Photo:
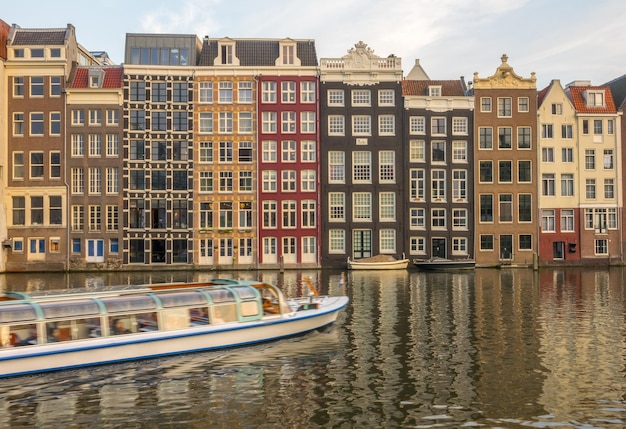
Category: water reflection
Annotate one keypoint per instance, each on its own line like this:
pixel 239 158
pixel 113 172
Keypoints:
pixel 496 348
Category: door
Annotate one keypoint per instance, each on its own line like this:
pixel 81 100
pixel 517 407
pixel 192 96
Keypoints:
pixel 95 250
pixel 361 243
pixel 558 250
pixel 438 249
pixel 206 251
pixel 506 247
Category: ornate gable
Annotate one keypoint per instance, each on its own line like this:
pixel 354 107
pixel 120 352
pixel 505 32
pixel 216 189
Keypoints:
pixel 505 77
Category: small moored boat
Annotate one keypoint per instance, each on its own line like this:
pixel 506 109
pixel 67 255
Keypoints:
pixel 54 331
pixel 379 262
pixel 444 264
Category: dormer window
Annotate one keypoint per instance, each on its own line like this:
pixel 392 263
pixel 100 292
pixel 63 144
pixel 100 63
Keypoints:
pixel 94 82
pixel 36 53
pixel 18 53
pixel 288 53
pixel 594 98
pixel 434 91
pixel 96 77
pixel 227 54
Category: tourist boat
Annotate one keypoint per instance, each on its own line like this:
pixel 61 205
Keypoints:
pixel 379 262
pixel 437 263
pixel 54 331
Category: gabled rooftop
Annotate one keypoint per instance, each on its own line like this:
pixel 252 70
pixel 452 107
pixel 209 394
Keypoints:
pixel 258 52
pixel 578 94
pixel 113 77
pixel 449 88
pixel 39 36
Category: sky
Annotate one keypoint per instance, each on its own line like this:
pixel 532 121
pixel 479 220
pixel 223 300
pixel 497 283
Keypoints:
pixel 557 39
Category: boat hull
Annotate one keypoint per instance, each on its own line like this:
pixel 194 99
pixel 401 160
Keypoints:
pixel 394 265
pixel 444 264
pixel 99 351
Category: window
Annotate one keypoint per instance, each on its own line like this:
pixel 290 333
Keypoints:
pixel 505 171
pixel 486 208
pixel 36 86
pixel 112 174
pixel 597 126
pixel 524 171
pixel 206 123
pixel 459 126
pixel 179 214
pixel 525 242
pixel 548 223
pixel 504 138
pixel 417 125
pixel 567 154
pixel 459 185
pixel 485 171
pixel 438 218
pixel 288 182
pixel 438 126
pixel 113 117
pixel 18 86
pixel 225 92
pixel 594 98
pixel 610 127
pixel 225 122
pixel 387 240
pixel 206 181
pixel 525 209
pixel 95 117
pixel 18 124
pixel 438 151
pixel 206 152
pixel 226 181
pixel 307 122
pixel 485 104
pixel 180 121
pixel 504 107
pixel 36 124
pixel 547 184
pixel 95 180
pixel 336 206
pixel 567 131
pixel 459 219
pixel 180 92
pixel 136 213
pixel 609 189
pixel 288 122
pixel 159 121
pixel 590 189
pixel 19 210
pixel 181 151
pixel 244 92
pixel 138 91
pixel 485 136
pixel 335 97
pixel 438 184
pixel 417 184
pixel 269 214
pixel 361 125
pixel 486 242
pixel 55 123
pixel 206 92
pixel 547 131
pixel 459 245
pixel 159 92
pixel 386 165
pixel 269 180
pixel 137 119
pixel 361 97
pixel 547 154
pixel 55 164
pixel 336 167
pixel 336 125
pixel 557 108
pixel 36 165
pixel 137 179
pixel 386 125
pixel 18 165
pixel 137 149
pixel 386 97
pixel 78 181
pixel 268 122
pixel 362 167
pixel 226 152
pixel 288 92
pixel 361 206
pixel 417 151
pixel 608 159
pixel 522 104
pixel 113 145
pixel 336 241
pixel 158 180
pixel 418 245
pixel 417 218
pixel 585 126
pixel 567 220
pixel 524 138
pixel 245 151
pixel 245 122
pixel 307 151
pixel 269 151
pixel 268 92
pixel 308 213
pixel 245 181
pixel 307 180
pixel 206 215
pixel 290 215
pixel 387 207
pixel 95 145
pixel 567 185
pixel 36 210
pixel 506 207
pixel 179 180
pixel 601 246
pixel 434 91
pixel 459 151
pixel 95 218
pixel 590 159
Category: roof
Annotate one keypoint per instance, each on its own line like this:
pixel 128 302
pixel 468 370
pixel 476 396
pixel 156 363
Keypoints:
pixel 618 90
pixel 578 100
pixel 112 77
pixel 542 94
pixel 258 52
pixel 39 36
pixel 449 88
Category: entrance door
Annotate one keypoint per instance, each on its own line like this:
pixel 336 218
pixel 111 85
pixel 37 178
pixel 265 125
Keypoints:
pixel 558 250
pixel 438 248
pixel 506 247
pixel 206 251
pixel 361 243
pixel 95 250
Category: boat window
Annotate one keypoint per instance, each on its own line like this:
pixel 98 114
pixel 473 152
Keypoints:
pixel 199 316
pixel 18 335
pixel 221 295
pixel 17 313
pixel 175 318
pixel 70 309
pixel 128 303
pixel 245 292
pixel 147 322
pixel 180 299
pixel 58 331
pixel 249 308
pixel 121 325
pixel 223 313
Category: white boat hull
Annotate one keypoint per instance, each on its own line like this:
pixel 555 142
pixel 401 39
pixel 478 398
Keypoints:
pixel 58 356
pixel 393 265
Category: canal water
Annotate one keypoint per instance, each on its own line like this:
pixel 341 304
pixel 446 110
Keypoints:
pixel 487 348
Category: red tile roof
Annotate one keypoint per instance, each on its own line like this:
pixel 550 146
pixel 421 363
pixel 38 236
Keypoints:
pixel 112 77
pixel 449 88
pixel 576 95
